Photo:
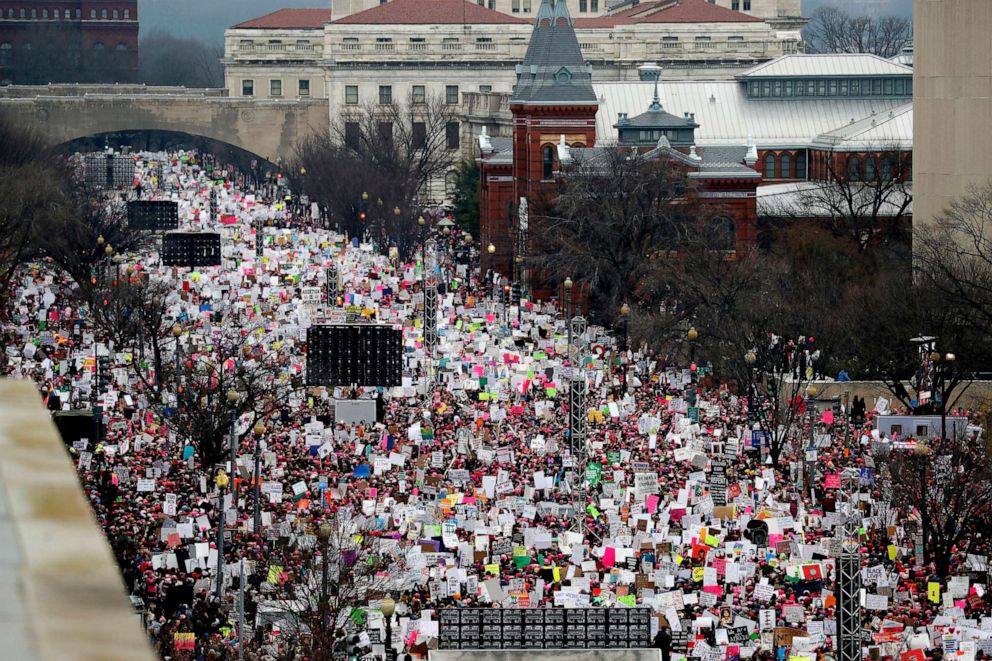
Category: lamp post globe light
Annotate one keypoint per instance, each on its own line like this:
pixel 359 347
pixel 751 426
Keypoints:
pixel 388 608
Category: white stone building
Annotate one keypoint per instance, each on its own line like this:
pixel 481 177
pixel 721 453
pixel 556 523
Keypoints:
pixel 453 46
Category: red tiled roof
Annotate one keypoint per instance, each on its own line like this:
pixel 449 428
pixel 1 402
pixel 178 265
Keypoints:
pixel 290 19
pixel 668 11
pixel 418 12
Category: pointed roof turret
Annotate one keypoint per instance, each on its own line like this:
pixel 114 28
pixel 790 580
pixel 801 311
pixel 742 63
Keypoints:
pixel 554 71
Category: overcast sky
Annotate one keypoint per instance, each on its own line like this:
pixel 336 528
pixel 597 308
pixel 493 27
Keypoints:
pixel 207 19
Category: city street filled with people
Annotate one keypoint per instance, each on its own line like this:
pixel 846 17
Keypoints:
pixel 320 530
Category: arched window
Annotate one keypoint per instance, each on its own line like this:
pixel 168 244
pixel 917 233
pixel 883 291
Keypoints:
pixel 801 165
pixel 34 13
pixel 120 54
pixel 10 13
pixel 116 14
pixel 57 13
pixel 99 46
pixel 853 168
pixel 6 54
pixel 44 13
pixel 92 13
pixel 548 162
pixel 103 13
pixel 127 13
pixel 23 13
pixel 450 183
pixel 786 166
pixel 770 166
pixel 888 168
pixel 870 169
pixel 724 236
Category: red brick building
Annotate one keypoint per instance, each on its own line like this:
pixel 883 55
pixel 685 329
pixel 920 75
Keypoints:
pixel 554 111
pixel 44 41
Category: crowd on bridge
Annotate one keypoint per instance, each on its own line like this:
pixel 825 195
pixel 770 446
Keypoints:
pixel 465 489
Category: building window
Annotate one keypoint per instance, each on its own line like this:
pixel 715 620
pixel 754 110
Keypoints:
pixel 724 234
pixel 515 6
pixel 747 5
pixel 79 13
pixel 419 95
pixel 127 14
pixel 702 40
pixel 548 162
pixel 583 7
pixel 351 95
pixel 870 171
pixel 853 168
pixel 385 94
pixel 526 6
pixel 103 13
pixel 833 88
pixel 419 135
pixel 801 165
pixel 594 5
pixel 485 89
pixel 450 183
pixel 451 95
pixel 735 5
pixel 386 132
pixel 810 88
pixel 10 13
pixel 492 4
pixel 352 136
pixel 786 166
pixel 57 14
pixel 116 15
pixel 843 88
pixel 247 88
pixel 92 13
pixel 451 135
pixel 6 54
pixel 766 88
pixel 888 167
pixel 44 13
pixel 34 13
pixel 770 166
pixel 855 88
pixel 304 88
pixel 120 54
pixel 275 88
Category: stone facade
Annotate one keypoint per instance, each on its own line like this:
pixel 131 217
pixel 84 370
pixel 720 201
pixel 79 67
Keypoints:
pixel 952 101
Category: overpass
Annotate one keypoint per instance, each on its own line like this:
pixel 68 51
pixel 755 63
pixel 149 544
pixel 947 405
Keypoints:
pixel 62 113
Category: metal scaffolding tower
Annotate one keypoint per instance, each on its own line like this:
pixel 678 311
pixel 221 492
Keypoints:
pixel 849 624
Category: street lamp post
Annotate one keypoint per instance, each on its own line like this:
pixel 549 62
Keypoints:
pixel 221 480
pixel 944 364
pixel 258 430
pixel 624 314
pixel 809 467
pixel 491 249
pixel 388 607
pixel 232 400
pixel 324 535
pixel 506 304
pixel 177 331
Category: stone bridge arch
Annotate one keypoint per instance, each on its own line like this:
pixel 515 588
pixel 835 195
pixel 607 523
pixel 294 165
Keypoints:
pixel 269 129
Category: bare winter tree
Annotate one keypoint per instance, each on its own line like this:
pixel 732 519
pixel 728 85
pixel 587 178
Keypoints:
pixel 833 30
pixel 32 194
pixel 612 218
pixel 947 487
pixel 954 255
pixel 867 200
pixel 235 358
pixel 396 153
pixel 347 566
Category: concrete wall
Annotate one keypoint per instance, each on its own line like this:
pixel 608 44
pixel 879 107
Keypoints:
pixel 269 129
pixel 62 594
pixel 952 102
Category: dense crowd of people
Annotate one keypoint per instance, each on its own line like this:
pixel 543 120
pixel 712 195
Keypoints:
pixel 465 488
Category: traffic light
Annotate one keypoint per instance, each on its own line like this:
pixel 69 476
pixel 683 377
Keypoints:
pixel 363 211
pixel 516 293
